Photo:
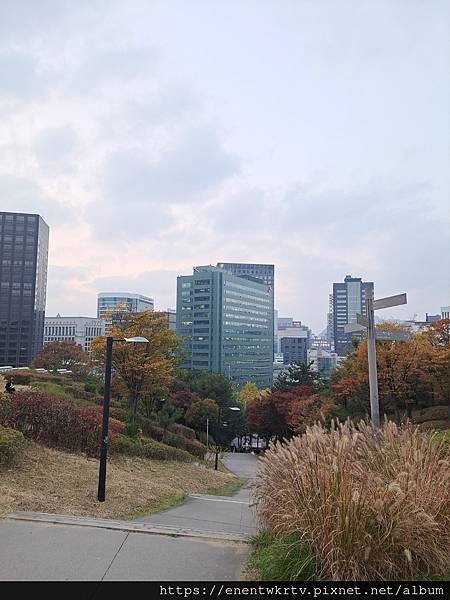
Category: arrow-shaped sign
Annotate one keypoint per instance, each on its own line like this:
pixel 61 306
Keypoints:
pixel 362 320
pixel 353 328
pixel 389 301
pixel 399 336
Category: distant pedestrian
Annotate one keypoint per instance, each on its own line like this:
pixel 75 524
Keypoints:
pixel 9 387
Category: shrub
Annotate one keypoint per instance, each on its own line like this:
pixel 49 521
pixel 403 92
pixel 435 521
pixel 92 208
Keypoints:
pixel 149 429
pixel 159 451
pixel 148 448
pixel 118 413
pixel 57 423
pixel 20 378
pixel 11 445
pixel 186 432
pixel 131 429
pixel 371 505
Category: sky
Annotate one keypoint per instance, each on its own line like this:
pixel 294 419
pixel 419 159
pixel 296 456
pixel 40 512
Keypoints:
pixel 155 136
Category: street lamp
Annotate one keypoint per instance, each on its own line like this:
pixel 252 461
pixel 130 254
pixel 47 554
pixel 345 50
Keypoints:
pixel 219 420
pixel 105 421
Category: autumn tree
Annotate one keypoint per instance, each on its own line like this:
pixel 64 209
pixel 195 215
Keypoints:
pixel 249 392
pixel 145 369
pixel 63 355
pixel 308 408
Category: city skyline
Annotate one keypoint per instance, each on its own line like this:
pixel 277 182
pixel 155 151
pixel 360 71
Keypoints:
pixel 321 147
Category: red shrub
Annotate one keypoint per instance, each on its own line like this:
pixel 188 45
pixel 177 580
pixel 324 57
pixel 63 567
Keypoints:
pixel 57 423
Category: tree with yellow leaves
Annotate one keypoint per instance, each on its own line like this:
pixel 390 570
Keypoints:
pixel 144 370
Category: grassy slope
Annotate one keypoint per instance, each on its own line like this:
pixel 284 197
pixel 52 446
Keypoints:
pixel 52 481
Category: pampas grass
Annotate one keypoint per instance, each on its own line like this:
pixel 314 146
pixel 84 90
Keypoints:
pixel 371 505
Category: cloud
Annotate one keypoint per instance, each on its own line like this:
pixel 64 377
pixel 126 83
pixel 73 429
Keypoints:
pixel 22 194
pixel 54 148
pixel 138 193
pixel 106 67
pixel 20 78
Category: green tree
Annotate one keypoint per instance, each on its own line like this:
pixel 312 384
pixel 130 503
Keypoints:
pixel 298 374
pixel 214 386
pixel 201 410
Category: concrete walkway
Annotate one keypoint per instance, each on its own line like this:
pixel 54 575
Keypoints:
pixel 202 539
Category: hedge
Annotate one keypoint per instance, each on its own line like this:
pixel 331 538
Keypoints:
pixel 176 440
pixel 11 445
pixel 56 422
pixel 186 432
pixel 148 448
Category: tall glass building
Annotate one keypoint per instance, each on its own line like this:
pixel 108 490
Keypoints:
pixel 348 300
pixel 23 286
pixel 227 324
pixel 264 272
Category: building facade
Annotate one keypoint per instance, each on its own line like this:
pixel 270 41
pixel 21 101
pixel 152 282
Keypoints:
pixel 293 340
pixel 294 349
pixel 81 330
pixel 348 301
pixel 445 312
pixel 322 361
pixel 227 325
pixel 23 286
pixel 264 272
pixel 110 302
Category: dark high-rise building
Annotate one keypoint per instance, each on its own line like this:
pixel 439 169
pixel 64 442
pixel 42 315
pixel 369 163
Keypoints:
pixel 226 323
pixel 23 286
pixel 348 300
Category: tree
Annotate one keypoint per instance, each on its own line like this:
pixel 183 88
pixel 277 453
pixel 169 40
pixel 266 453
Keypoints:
pixel 307 409
pixel 249 392
pixel 199 411
pixel 63 355
pixel 146 370
pixel 297 374
pixel 212 385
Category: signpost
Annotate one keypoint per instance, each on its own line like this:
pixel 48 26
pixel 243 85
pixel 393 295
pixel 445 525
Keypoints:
pixel 368 322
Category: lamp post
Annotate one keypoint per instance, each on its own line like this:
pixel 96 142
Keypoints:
pixel 105 421
pixel 219 420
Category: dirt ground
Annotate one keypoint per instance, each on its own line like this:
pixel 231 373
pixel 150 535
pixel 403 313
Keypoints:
pixel 46 480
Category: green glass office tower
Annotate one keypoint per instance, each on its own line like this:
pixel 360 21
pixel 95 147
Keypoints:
pixel 226 322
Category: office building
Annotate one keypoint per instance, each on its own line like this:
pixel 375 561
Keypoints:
pixel 81 330
pixel 171 315
pixel 264 272
pixel 292 340
pixel 294 349
pixel 109 303
pixel 227 324
pixel 445 312
pixel 322 361
pixel 23 286
pixel 348 301
pixel 330 324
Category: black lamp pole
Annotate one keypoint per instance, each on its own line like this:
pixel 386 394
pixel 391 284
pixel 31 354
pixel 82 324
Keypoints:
pixel 104 446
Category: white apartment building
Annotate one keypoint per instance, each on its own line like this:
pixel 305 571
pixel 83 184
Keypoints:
pixel 81 330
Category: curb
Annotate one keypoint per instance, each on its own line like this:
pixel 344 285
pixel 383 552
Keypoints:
pixel 131 527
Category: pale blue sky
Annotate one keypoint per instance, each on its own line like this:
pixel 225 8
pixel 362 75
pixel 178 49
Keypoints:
pixel 153 136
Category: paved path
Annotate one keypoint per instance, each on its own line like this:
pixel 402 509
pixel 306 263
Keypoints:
pixel 230 514
pixel 202 539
